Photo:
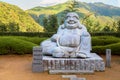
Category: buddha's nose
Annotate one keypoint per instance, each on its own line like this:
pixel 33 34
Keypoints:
pixel 71 19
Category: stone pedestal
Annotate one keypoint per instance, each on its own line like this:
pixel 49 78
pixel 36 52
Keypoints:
pixel 66 65
pixel 73 65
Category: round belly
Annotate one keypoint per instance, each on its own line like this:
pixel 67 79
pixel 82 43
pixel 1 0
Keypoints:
pixel 69 40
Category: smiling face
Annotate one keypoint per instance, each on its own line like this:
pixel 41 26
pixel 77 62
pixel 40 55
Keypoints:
pixel 72 20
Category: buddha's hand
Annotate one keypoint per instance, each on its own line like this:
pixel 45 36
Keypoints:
pixel 55 37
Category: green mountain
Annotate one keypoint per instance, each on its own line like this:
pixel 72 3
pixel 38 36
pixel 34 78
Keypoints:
pixel 13 19
pixel 105 10
pixel 98 8
pixel 102 13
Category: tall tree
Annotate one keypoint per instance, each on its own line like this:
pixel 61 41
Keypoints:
pixel 118 25
pixel 50 23
pixel 72 6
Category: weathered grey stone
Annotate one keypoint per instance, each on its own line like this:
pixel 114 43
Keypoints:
pixel 73 77
pixel 108 58
pixel 45 65
pixel 67 64
pixel 72 66
pixel 102 66
pixel 37 63
pixel 77 65
pixel 38 57
pixel 71 40
pixel 63 65
pixel 53 64
pixel 49 64
pixel 37 67
pixel 68 76
pixel 81 78
pixel 57 65
pixel 70 71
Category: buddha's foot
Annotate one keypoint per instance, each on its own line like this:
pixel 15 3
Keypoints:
pixel 81 55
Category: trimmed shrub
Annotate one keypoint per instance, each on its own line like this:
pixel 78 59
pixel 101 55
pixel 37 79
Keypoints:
pixel 104 40
pixel 18 44
pixel 35 40
pixel 28 34
pixel 10 45
pixel 24 45
pixel 115 48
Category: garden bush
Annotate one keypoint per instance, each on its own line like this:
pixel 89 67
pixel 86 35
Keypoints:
pixel 101 43
pixel 104 40
pixel 28 34
pixel 24 45
pixel 115 49
pixel 36 40
pixel 49 34
pixel 18 44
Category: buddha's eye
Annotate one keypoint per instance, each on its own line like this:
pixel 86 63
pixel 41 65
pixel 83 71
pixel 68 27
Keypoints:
pixel 67 17
pixel 75 17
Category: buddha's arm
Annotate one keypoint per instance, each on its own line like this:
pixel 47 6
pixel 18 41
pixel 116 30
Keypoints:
pixel 55 37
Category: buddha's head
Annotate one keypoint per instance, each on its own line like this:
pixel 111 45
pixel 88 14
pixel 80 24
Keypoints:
pixel 72 20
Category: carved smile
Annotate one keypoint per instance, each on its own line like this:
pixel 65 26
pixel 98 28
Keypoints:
pixel 72 22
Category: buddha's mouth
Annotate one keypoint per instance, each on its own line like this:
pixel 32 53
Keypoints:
pixel 71 22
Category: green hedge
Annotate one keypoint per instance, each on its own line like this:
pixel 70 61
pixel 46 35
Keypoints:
pixel 18 45
pixel 28 34
pixel 115 49
pixel 104 40
pixel 116 34
pixel 49 34
pixel 35 40
pixel 101 43
pixel 24 45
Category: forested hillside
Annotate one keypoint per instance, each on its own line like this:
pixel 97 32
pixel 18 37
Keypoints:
pixel 14 19
pixel 96 16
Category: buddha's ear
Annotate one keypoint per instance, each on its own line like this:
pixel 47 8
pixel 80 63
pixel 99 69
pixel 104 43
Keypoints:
pixel 80 25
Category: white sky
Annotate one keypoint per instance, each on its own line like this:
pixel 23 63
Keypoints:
pixel 27 4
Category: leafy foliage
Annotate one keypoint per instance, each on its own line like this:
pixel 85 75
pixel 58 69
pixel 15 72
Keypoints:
pixel 18 45
pixel 50 23
pixel 97 17
pixel 14 19
pixel 101 43
pixel 24 45
pixel 72 6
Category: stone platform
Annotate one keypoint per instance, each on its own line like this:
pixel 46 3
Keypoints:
pixel 73 65
pixel 66 65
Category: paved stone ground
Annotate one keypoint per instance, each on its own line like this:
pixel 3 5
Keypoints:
pixel 73 77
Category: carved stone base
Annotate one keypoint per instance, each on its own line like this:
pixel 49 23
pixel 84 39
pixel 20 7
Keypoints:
pixel 73 65
pixel 66 65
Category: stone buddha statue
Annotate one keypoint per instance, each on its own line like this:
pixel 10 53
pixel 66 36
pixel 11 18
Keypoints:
pixel 71 39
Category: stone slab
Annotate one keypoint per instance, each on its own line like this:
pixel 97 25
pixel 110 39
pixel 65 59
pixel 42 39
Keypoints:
pixel 74 65
pixel 73 77
pixel 81 78
pixel 37 68
pixel 68 76
pixel 94 56
pixel 70 72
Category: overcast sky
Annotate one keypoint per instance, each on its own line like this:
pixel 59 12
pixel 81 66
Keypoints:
pixel 27 4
